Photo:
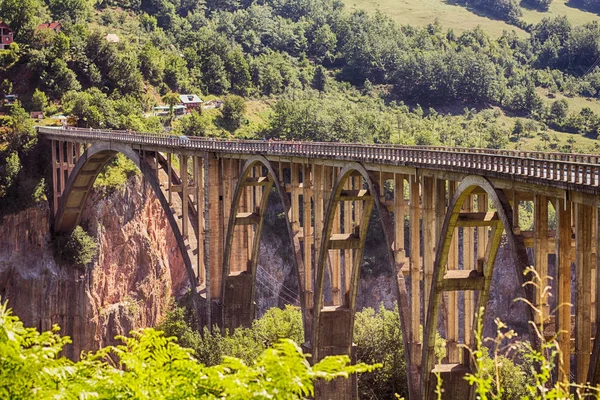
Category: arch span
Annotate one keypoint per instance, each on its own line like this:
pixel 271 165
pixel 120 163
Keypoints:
pixel 340 318
pixel 480 279
pixel 80 182
pixel 239 288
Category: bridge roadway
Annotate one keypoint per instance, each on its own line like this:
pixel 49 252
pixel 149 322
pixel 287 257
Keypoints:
pixel 216 194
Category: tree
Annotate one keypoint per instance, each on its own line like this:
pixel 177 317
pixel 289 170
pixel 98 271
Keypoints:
pixel 320 79
pixel 518 130
pixel 324 44
pixel 155 365
pixel 171 99
pixel 21 16
pixel 75 10
pixel 559 111
pixel 39 101
pixel 234 108
pixel 542 5
pixel 193 124
pixel 238 72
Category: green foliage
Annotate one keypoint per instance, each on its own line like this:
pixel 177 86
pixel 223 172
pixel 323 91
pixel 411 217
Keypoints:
pixel 541 5
pixel 194 124
pixel 498 377
pixel 115 174
pixel 21 16
pixel 9 57
pixel 149 365
pixel 77 247
pixel 39 101
pixel 233 110
pixel 243 343
pixel 378 339
pixel 75 10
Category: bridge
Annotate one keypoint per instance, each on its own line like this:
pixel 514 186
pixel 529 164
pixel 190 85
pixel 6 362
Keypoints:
pixel 215 193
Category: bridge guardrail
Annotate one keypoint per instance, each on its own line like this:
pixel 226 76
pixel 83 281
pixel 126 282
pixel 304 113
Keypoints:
pixel 567 168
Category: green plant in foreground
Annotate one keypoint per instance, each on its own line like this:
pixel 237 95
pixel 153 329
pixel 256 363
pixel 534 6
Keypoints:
pixel 149 365
pixel 497 377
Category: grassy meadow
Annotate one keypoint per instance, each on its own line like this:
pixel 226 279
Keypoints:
pixel 459 18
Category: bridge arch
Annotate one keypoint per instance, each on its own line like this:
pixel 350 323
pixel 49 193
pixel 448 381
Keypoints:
pixel 464 280
pixel 239 286
pixel 332 327
pixel 79 185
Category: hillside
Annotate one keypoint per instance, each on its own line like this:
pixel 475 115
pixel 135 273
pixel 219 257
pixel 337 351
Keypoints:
pixel 460 19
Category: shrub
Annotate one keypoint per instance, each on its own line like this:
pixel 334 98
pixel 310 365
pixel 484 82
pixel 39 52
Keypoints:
pixel 78 247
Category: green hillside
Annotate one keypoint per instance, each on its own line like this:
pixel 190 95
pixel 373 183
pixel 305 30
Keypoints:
pixel 459 18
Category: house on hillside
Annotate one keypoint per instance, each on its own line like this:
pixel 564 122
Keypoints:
pixel 10 99
pixel 6 36
pixel 53 26
pixel 190 101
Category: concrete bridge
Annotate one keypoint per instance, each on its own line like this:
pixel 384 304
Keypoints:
pixel 215 196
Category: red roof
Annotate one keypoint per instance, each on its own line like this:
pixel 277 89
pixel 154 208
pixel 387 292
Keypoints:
pixel 3 25
pixel 55 26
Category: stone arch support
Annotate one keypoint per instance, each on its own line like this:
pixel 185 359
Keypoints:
pixel 478 280
pixel 332 332
pixel 244 231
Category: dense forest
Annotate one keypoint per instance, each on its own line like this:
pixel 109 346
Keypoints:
pixel 294 52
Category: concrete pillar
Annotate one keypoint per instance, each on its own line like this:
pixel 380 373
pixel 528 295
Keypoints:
pixel 399 214
pixel 452 296
pixel 469 264
pixel 215 233
pixel 55 183
pixel 183 175
pixel 563 283
pixel 319 176
pixel 308 233
pixel 415 270
pixel 169 181
pixel 584 216
pixel 541 252
pixel 427 194
pixel 348 226
pixel 199 180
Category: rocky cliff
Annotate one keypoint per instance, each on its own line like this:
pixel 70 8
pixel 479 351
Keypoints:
pixel 129 285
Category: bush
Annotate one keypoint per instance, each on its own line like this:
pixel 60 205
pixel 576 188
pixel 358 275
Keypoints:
pixel 78 247
pixel 244 343
pixel 378 337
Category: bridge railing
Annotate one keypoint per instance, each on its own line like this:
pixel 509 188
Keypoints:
pixel 582 169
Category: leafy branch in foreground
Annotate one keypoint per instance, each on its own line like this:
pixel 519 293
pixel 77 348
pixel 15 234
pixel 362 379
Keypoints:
pixel 149 365
pixel 497 377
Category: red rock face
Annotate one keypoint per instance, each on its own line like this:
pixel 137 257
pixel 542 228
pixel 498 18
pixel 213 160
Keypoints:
pixel 136 274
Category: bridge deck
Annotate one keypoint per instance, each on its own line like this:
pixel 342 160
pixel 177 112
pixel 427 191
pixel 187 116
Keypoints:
pixel 577 172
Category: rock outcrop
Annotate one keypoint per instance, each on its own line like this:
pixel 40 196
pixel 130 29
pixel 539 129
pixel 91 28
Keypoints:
pixel 130 284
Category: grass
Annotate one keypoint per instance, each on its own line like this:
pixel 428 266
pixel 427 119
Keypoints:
pixel 576 103
pixel 423 12
pixel 460 19
pixel 560 7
